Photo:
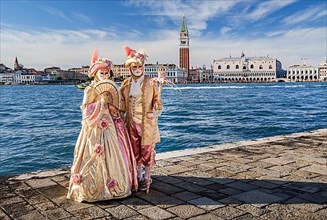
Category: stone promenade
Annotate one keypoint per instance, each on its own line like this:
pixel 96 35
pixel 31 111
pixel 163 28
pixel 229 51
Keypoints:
pixel 282 177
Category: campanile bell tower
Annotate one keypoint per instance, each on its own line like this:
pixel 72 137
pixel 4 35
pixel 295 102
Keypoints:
pixel 184 53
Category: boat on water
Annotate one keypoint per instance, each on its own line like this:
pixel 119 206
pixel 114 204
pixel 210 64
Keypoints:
pixel 82 85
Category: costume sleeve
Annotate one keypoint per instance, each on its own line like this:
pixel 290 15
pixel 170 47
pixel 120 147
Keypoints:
pixel 91 107
pixel 157 103
pixel 122 104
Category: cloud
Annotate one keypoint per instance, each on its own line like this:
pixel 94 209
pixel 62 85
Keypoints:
pixel 198 13
pixel 57 13
pixel 73 48
pixel 310 14
pixel 81 17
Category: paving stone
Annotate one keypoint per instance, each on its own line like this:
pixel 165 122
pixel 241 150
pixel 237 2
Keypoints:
pixel 194 178
pixel 4 216
pixel 206 203
pixel 312 197
pixel 185 196
pixel 306 186
pixel 36 199
pixel 279 160
pixel 230 191
pixel 208 216
pixel 300 204
pixel 248 175
pixel 90 213
pixel 69 204
pixel 284 212
pixel 32 215
pixel 241 186
pixel 186 211
pixel 230 201
pixel 171 179
pixel 191 187
pixel 228 212
pixel 136 203
pixel 165 187
pixel 255 211
pixel 42 207
pixel 222 181
pixel 53 192
pixel 245 217
pixel 315 168
pixel 121 211
pixel 8 201
pixel 257 197
pixel 39 183
pixel 264 184
pixel 156 213
pixel 216 186
pixel 16 210
pixel 136 217
pixel 56 214
pixel 221 173
pixel 108 203
pixel 160 199
pixel 305 174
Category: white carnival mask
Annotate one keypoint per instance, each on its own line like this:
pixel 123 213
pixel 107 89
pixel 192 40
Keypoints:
pixel 137 70
pixel 103 74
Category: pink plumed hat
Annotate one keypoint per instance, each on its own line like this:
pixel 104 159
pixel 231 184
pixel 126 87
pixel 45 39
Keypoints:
pixel 98 63
pixel 134 57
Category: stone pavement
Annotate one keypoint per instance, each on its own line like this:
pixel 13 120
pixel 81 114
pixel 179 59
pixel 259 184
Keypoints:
pixel 283 177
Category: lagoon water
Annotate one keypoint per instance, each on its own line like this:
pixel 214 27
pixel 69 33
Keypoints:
pixel 39 125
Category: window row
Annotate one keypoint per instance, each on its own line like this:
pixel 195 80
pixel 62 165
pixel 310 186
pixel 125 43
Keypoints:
pixel 244 67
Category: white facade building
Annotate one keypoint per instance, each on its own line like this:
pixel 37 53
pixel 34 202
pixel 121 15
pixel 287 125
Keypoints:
pixel 323 71
pixel 301 73
pixel 173 73
pixel 6 78
pixel 246 69
pixel 24 78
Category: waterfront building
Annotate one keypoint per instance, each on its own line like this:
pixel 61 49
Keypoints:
pixel 51 70
pixel 7 78
pixel 205 75
pixel 24 77
pixel 184 52
pixel 83 69
pixel 17 66
pixel 72 76
pixel 246 69
pixel 173 73
pixel 302 73
pixel 120 71
pixel 323 71
pixel 4 69
pixel 194 75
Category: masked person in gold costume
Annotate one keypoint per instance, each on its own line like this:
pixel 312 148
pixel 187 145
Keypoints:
pixel 104 165
pixel 142 102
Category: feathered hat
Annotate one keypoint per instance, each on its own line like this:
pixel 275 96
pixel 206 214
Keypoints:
pixel 98 63
pixel 134 57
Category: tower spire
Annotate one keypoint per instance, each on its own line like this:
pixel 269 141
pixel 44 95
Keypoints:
pixel 184 25
pixel 184 54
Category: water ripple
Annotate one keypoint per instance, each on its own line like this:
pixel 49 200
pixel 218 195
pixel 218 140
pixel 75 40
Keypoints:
pixel 39 125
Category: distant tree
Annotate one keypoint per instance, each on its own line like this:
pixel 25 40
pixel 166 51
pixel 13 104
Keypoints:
pixel 59 78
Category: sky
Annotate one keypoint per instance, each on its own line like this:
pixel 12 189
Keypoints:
pixel 65 33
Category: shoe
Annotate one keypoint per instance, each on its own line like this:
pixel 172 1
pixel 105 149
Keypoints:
pixel 145 184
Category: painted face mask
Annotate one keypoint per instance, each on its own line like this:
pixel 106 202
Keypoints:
pixel 103 74
pixel 137 70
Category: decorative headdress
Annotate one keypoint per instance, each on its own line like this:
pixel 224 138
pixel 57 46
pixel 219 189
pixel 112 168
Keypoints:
pixel 98 63
pixel 134 57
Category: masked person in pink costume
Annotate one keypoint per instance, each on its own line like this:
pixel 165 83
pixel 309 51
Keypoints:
pixel 141 100
pixel 104 165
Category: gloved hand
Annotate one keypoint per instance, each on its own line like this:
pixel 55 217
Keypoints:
pixel 158 105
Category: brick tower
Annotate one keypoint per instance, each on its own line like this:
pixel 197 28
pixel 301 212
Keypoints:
pixel 184 53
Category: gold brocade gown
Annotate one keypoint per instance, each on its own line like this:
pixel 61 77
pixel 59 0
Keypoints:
pixel 104 164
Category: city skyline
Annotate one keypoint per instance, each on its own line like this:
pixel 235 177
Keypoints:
pixel 64 34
